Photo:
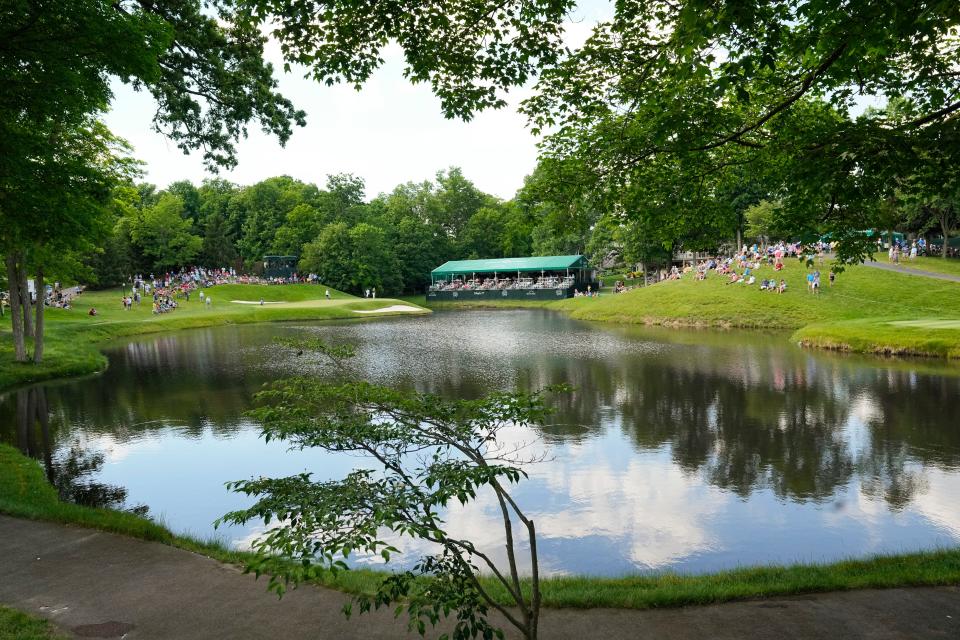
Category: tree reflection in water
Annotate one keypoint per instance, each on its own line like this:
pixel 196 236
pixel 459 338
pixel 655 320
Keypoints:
pixel 70 471
pixel 745 414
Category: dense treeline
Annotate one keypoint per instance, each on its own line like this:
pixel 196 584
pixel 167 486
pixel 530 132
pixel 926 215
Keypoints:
pixel 390 242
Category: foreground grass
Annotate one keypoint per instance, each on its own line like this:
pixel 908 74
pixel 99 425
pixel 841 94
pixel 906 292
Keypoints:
pixel 20 626
pixel 25 493
pixel 73 336
pixel 853 315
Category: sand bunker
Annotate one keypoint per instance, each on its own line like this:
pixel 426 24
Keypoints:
pixel 257 302
pixel 390 309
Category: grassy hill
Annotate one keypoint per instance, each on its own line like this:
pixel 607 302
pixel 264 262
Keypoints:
pixel 867 310
pixel 72 335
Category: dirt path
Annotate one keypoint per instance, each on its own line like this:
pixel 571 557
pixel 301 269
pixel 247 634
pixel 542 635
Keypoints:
pixel 100 585
pixel 900 268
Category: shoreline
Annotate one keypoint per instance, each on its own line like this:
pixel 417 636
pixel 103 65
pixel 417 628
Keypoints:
pixel 871 311
pixel 820 336
pixel 72 343
pixel 25 493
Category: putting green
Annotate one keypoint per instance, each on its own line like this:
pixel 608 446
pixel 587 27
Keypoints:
pixel 928 324
pixel 297 305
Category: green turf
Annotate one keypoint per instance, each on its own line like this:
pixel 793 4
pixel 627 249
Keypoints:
pixel 72 335
pixel 855 314
pixel 24 492
pixel 15 625
pixel 950 266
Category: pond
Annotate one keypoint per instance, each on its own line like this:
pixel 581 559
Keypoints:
pixel 678 450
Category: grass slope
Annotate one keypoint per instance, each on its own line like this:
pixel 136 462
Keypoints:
pixel 950 266
pixel 72 336
pixel 25 493
pixel 867 310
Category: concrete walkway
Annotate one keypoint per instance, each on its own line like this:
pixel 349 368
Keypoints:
pixel 900 268
pixel 100 585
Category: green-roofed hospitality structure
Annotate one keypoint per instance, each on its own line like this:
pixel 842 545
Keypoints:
pixel 537 277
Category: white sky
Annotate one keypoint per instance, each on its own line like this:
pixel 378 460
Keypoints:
pixel 388 133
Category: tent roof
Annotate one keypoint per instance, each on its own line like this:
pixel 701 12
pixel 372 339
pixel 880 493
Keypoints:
pixel 507 265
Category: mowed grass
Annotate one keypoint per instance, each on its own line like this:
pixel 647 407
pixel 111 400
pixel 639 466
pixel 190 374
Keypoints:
pixel 25 493
pixel 15 625
pixel 72 335
pixel 856 314
pixel 924 337
pixel 950 266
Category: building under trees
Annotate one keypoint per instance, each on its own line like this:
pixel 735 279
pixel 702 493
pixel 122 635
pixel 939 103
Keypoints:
pixel 541 277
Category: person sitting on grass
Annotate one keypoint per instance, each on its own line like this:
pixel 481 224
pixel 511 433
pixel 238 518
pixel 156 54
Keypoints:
pixel 92 312
pixel 783 286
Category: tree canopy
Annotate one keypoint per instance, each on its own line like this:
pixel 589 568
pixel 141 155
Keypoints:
pixel 667 101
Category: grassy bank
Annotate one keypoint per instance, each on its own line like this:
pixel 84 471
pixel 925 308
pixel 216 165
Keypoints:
pixel 24 492
pixel 950 266
pixel 72 336
pixel 478 304
pixel 867 310
pixel 937 337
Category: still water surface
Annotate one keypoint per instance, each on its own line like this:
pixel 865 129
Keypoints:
pixel 688 451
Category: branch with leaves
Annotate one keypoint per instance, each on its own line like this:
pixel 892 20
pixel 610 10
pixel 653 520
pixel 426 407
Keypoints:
pixel 429 453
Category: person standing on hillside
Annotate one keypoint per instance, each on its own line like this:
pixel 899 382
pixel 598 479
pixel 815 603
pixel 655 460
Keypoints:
pixel 328 294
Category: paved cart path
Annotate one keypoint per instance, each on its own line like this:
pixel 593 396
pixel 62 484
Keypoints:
pixel 101 585
pixel 899 268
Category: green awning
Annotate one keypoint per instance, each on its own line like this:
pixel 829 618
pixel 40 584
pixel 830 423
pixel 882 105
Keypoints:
pixel 508 265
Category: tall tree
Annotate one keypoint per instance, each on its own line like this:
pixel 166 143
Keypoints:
pixel 458 200
pixel 261 209
pixel 330 256
pixel 65 209
pixel 190 196
pixel 165 235
pixel 217 249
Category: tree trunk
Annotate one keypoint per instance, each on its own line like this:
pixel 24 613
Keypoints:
pixel 25 300
pixel 16 316
pixel 38 325
pixel 946 235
